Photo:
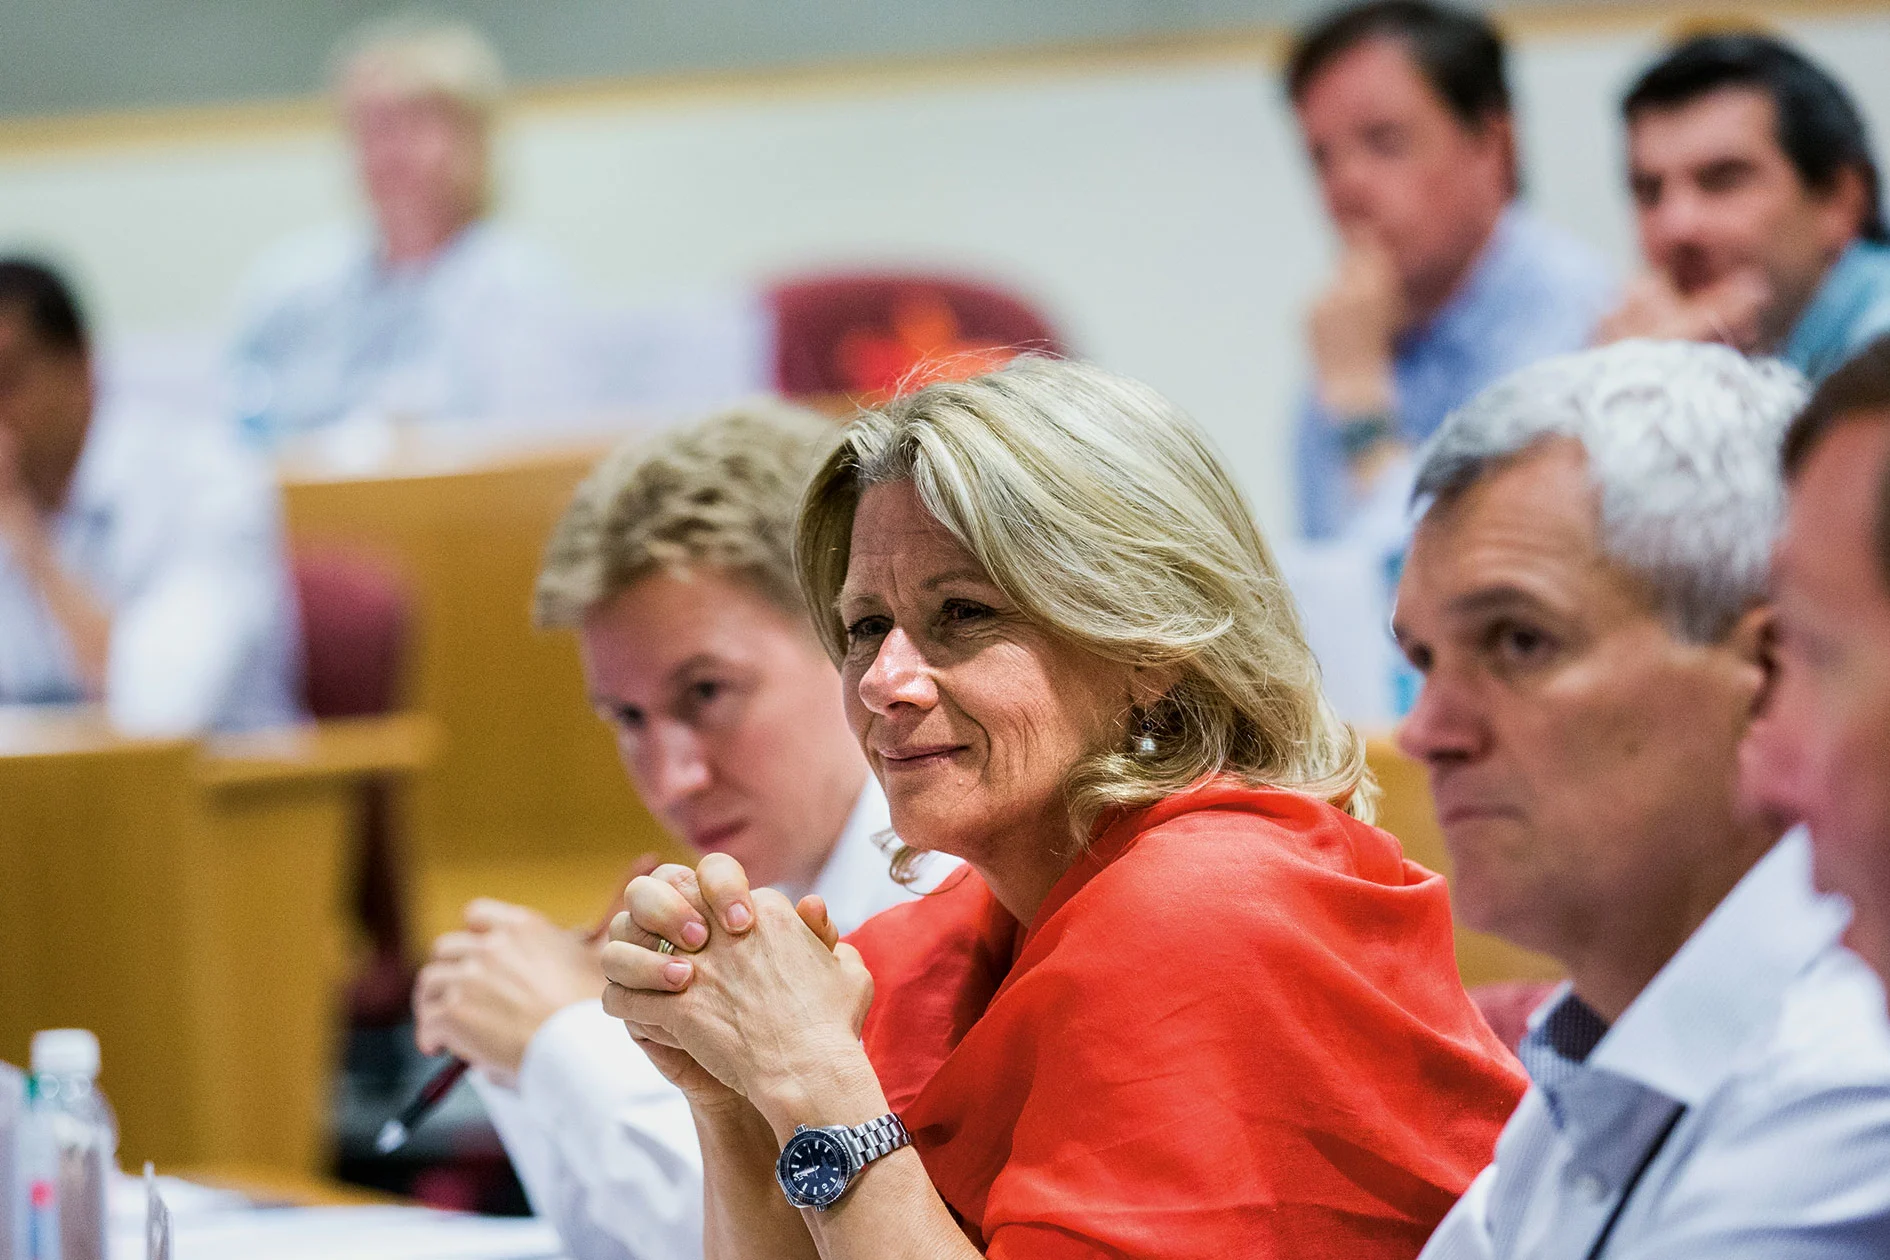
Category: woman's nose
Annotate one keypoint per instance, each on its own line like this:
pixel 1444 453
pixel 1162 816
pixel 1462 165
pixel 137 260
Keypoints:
pixel 898 675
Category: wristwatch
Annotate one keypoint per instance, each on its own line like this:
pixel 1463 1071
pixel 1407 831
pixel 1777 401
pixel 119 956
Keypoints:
pixel 1358 434
pixel 817 1165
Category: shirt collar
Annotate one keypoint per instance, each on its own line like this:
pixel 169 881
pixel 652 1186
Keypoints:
pixel 1465 317
pixel 856 867
pixel 1683 1036
pixel 1818 338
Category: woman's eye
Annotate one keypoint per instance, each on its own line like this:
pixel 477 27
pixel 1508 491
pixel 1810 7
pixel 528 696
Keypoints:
pixel 962 610
pixel 867 628
pixel 704 691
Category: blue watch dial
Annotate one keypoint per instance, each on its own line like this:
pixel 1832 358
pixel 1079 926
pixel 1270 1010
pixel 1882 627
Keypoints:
pixel 814 1168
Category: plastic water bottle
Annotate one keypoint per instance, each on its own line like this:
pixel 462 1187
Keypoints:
pixel 12 1109
pixel 68 1149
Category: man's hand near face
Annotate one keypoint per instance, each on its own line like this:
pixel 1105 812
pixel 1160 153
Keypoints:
pixel 488 989
pixel 1353 327
pixel 26 541
pixel 1731 311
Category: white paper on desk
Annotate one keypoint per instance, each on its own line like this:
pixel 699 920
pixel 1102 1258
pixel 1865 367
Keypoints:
pixel 363 1233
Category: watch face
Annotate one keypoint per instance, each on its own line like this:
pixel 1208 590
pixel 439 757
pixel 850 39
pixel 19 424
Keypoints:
pixel 814 1168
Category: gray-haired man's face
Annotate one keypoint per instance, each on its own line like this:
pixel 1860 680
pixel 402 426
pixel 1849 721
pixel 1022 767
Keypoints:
pixel 1582 755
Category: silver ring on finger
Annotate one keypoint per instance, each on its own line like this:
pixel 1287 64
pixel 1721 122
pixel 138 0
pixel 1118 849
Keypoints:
pixel 664 947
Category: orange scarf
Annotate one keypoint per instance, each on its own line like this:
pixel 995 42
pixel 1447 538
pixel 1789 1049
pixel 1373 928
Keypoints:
pixel 1234 1028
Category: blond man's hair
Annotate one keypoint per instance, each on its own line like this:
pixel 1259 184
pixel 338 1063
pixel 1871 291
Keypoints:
pixel 1101 510
pixel 718 495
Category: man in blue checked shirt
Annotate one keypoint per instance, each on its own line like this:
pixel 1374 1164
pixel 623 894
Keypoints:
pixel 1586 600
pixel 1444 281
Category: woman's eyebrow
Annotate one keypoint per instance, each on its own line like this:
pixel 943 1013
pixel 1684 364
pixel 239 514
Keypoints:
pixel 955 575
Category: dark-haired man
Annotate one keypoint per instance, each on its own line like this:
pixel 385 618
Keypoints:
pixel 140 559
pixel 1757 202
pixel 1826 756
pixel 1443 283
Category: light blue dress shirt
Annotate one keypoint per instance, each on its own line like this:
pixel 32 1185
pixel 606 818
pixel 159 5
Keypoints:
pixel 485 330
pixel 1850 309
pixel 1533 292
pixel 1760 1052
pixel 177 530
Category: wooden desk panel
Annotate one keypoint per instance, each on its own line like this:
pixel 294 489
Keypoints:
pixel 525 771
pixel 102 914
pixel 1406 812
pixel 187 905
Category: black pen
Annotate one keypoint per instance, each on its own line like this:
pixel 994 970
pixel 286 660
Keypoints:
pixel 395 1132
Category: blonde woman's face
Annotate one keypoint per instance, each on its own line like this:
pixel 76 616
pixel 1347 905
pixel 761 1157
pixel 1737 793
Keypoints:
pixel 970 714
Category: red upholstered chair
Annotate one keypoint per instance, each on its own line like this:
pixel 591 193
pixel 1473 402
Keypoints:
pixel 356 633
pixel 869 336
pixel 1507 1006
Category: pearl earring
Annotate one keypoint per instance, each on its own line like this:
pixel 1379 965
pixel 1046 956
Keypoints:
pixel 1145 742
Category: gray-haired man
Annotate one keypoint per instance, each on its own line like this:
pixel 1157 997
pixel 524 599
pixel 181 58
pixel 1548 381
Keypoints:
pixel 1585 598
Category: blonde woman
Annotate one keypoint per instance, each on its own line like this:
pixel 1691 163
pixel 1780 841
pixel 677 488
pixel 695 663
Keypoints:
pixel 1185 1001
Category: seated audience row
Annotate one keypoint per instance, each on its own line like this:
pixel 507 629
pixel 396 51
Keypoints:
pixel 1756 198
pixel 1066 1032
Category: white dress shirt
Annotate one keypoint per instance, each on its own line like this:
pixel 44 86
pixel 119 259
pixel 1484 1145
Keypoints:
pixel 1762 1055
pixel 176 529
pixel 485 329
pixel 604 1145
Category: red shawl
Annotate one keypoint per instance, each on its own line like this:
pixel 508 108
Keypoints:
pixel 1234 1028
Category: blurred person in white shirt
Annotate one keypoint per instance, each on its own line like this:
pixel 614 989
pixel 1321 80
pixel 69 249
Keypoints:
pixel 673 566
pixel 431 312
pixel 140 555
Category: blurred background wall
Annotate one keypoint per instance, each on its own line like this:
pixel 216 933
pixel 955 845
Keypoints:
pixel 1129 165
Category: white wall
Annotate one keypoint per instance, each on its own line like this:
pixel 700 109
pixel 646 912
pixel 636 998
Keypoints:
pixel 1161 213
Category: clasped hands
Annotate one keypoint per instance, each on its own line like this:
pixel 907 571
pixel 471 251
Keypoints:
pixel 759 995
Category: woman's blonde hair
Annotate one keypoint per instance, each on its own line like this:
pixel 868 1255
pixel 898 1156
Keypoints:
pixel 1100 509
pixel 719 494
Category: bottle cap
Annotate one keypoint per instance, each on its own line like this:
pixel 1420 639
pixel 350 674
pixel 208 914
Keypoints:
pixel 65 1052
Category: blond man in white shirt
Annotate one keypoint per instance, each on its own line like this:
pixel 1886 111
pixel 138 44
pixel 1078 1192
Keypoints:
pixel 673 566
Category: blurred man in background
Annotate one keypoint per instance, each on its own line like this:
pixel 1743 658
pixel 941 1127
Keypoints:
pixel 1758 207
pixel 433 312
pixel 1443 282
pixel 140 555
pixel 1827 756
pixel 1586 599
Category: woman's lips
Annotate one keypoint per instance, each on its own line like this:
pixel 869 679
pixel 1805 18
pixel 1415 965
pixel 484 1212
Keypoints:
pixel 919 758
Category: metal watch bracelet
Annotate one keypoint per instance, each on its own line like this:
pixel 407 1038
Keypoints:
pixel 878 1137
